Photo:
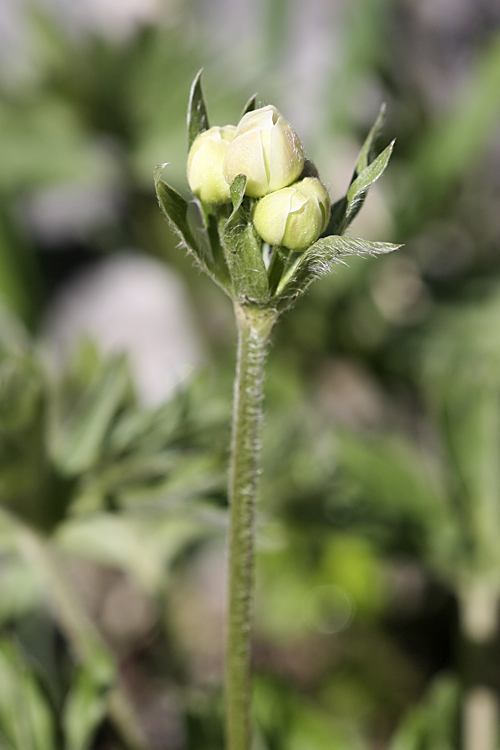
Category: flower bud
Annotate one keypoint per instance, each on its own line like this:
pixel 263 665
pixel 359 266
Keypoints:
pixel 267 150
pixel 204 166
pixel 293 217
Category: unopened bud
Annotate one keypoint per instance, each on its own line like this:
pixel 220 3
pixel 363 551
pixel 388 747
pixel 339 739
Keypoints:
pixel 204 167
pixel 267 150
pixel 293 217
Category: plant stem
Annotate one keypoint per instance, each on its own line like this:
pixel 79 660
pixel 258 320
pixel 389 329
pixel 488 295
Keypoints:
pixel 254 328
pixel 87 645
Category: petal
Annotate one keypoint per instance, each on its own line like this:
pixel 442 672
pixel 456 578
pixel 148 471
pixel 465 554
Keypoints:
pixel 271 214
pixel 244 156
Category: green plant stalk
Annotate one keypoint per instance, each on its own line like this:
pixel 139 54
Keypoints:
pixel 87 645
pixel 254 328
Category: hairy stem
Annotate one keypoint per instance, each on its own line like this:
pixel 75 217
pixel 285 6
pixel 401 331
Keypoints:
pixel 88 647
pixel 254 328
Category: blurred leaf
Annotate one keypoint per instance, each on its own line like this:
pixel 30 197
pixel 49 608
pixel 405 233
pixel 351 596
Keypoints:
pixel 21 385
pixel 197 111
pixel 84 710
pixel 350 563
pixel 76 441
pixel 47 144
pixel 26 721
pixel 14 337
pixel 141 547
pixel 313 730
pixel 85 364
pixel 20 591
pixel 433 725
pixel 149 430
pixel 15 291
pixel 284 584
pixel 189 478
pixel 392 473
pixel 461 375
pixel 447 148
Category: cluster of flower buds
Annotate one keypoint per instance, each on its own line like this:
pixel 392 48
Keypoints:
pixel 265 228
pixel 289 212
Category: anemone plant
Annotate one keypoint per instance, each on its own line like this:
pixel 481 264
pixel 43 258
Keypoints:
pixel 267 231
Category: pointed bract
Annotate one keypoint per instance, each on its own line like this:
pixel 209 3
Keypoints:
pixel 197 119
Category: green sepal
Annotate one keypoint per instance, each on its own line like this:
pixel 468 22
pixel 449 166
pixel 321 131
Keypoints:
pixel 276 267
pixel 175 208
pixel 337 216
pixel 237 192
pixel 212 217
pixel 319 259
pixel 197 119
pixel 309 170
pixel 249 106
pixel 243 249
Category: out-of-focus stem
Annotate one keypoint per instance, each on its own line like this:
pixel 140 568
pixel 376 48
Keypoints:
pixel 254 328
pixel 479 622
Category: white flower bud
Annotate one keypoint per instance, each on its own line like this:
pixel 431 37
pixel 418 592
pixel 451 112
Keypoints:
pixel 267 150
pixel 204 166
pixel 293 217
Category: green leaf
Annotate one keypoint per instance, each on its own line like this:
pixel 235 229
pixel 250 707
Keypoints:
pixel 197 120
pixel 319 259
pixel 367 177
pixel 366 154
pixel 243 249
pixel 249 106
pixel 357 191
pixel 345 209
pixel 84 711
pixel 25 718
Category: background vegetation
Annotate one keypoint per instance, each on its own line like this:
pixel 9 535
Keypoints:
pixel 378 562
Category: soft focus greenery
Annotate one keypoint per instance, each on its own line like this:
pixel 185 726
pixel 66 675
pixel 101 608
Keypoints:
pixel 380 494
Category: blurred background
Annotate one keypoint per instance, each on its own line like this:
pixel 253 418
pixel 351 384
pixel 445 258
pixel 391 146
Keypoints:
pixel 378 565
